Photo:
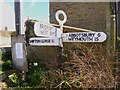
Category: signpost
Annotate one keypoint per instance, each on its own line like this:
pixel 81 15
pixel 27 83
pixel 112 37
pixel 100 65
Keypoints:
pixel 84 37
pixel 48 36
pixel 55 37
pixel 45 30
pixel 44 41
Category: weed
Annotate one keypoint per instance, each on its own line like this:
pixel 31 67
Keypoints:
pixel 7 65
pixel 14 78
pixel 36 75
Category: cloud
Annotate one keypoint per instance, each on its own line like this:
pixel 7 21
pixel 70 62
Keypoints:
pixel 32 3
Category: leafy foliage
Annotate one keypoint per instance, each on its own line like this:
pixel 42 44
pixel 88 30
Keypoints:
pixel 0 54
pixel 36 75
pixel 7 65
pixel 14 78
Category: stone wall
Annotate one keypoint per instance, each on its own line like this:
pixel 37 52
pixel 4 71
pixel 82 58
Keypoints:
pixel 94 16
pixel 82 15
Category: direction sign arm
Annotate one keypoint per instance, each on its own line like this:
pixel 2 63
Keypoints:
pixel 74 28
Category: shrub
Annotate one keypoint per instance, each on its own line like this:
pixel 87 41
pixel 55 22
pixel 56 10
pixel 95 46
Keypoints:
pixel 87 68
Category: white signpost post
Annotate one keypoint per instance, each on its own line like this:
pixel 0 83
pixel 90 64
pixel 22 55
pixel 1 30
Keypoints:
pixel 61 22
pixel 44 41
pixel 45 30
pixel 84 37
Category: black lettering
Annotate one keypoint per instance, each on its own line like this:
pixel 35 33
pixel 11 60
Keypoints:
pixel 90 34
pixel 48 41
pixel 38 41
pixel 34 41
pixel 52 41
pixel 99 35
pixel 81 37
pixel 72 35
pixel 93 34
pixel 96 39
pixel 84 35
pixel 31 41
pixel 90 38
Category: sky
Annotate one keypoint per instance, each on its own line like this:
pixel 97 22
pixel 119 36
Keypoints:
pixel 30 8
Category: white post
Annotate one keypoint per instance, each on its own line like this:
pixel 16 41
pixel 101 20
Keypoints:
pixel 61 22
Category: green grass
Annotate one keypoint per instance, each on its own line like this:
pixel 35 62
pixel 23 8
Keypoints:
pixel 1 63
pixel 0 54
pixel 36 75
pixel 7 65
pixel 1 72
